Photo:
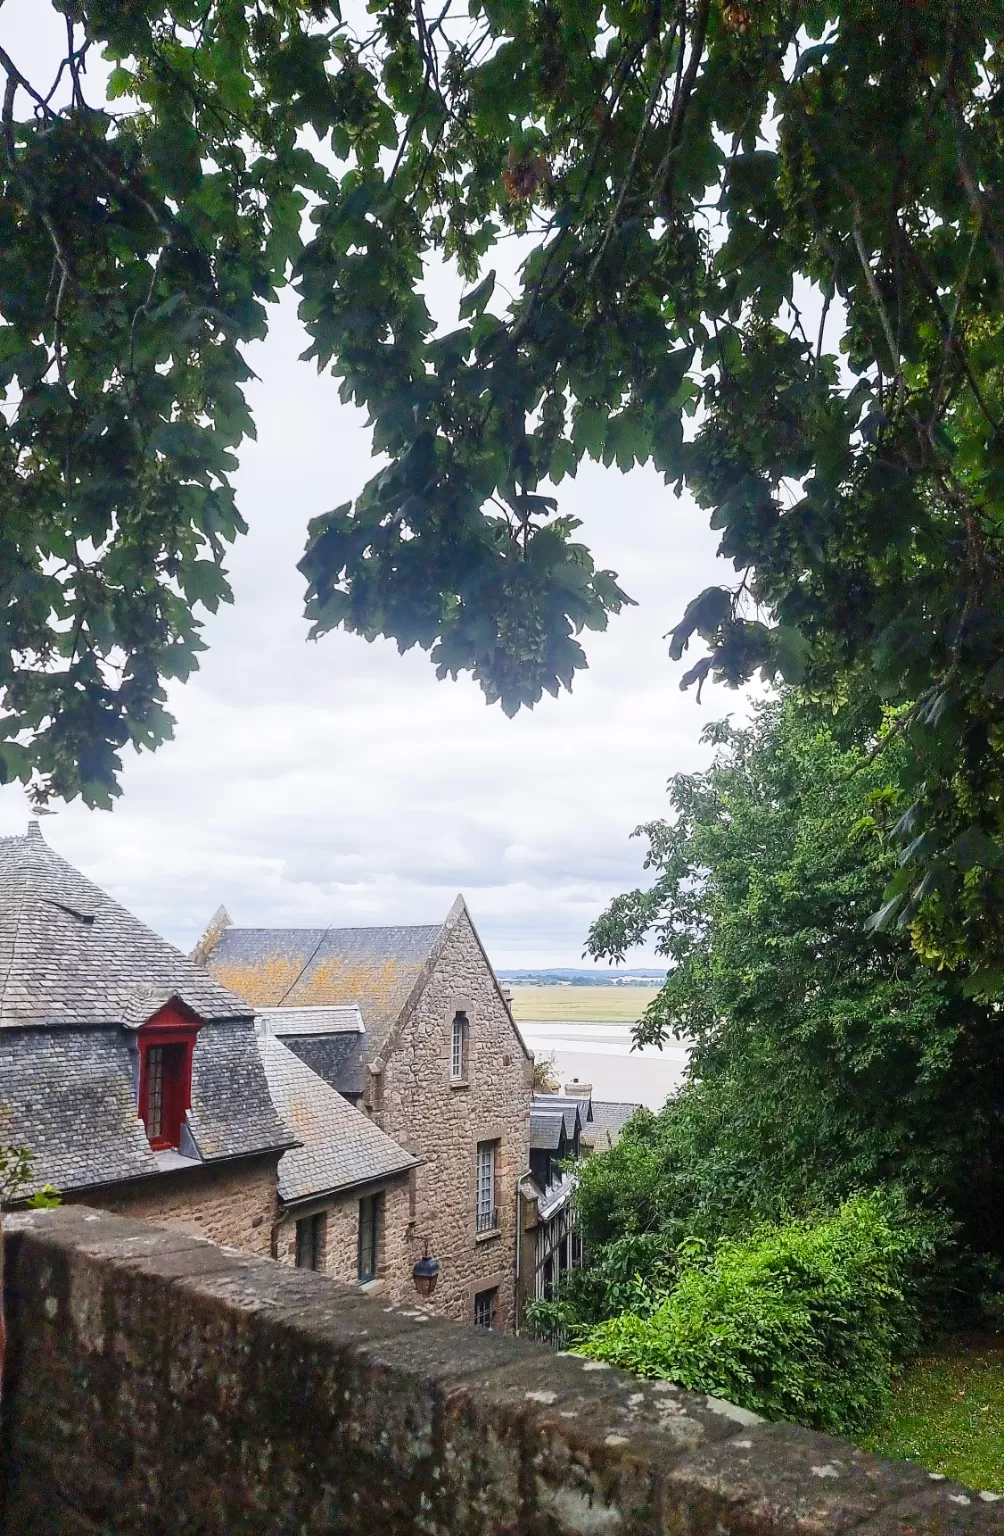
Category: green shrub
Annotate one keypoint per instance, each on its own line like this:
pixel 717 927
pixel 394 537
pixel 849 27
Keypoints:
pixel 631 1274
pixel 804 1321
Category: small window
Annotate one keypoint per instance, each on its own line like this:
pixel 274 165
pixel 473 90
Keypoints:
pixel 487 1215
pixel 484 1309
pixel 164 1092
pixel 155 1092
pixel 310 1242
pixel 370 1213
pixel 459 1046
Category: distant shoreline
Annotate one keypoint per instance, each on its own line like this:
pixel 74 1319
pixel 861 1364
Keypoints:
pixel 580 1005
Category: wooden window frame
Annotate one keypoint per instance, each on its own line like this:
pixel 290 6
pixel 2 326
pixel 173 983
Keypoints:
pixel 374 1203
pixel 315 1230
pixel 172 1033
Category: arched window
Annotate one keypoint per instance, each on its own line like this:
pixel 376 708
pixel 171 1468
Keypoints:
pixel 459 1045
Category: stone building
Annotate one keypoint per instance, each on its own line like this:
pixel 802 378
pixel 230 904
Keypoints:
pixel 133 1077
pixel 346 1193
pixel 444 1073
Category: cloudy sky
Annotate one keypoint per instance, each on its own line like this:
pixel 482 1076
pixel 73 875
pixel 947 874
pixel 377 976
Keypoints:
pixel 338 782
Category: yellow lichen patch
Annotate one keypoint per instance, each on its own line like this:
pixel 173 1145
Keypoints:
pixel 378 987
pixel 301 1117
pixel 263 984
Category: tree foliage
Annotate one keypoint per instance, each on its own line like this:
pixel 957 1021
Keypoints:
pixel 826 1059
pixel 763 251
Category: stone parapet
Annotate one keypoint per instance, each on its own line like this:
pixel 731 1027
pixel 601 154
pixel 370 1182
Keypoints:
pixel 157 1383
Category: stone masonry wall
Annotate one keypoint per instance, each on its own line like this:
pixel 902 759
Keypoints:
pixel 341 1235
pixel 414 1101
pixel 232 1203
pixel 160 1385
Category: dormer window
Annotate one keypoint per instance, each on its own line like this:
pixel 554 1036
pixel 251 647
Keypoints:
pixel 166 1047
pixel 459 1046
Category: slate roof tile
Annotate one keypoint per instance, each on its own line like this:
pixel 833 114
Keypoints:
pixel 609 1119
pixel 545 1129
pixel 373 968
pixel 69 954
pixel 78 974
pixel 312 1021
pixel 340 1148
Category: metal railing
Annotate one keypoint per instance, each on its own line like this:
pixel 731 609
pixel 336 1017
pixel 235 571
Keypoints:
pixel 486 1221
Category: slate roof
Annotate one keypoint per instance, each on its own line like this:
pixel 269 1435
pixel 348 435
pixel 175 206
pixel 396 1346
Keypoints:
pixel 341 1148
pixel 576 1110
pixel 332 1042
pixel 312 1021
pixel 545 1130
pixel 608 1120
pixel 78 975
pixel 69 954
pixel 339 1059
pixel 372 968
pixel 68 1095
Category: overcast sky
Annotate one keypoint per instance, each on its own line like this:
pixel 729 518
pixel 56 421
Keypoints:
pixel 338 782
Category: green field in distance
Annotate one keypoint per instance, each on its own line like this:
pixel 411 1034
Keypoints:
pixel 581 1005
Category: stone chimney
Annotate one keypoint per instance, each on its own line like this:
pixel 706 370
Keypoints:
pixel 577 1090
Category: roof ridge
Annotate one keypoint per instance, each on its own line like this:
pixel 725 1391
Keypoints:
pixel 332 928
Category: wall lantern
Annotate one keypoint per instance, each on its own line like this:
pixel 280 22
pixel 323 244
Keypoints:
pixel 425 1274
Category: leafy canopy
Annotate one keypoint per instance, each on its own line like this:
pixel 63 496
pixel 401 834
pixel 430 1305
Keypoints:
pixel 825 1059
pixel 764 252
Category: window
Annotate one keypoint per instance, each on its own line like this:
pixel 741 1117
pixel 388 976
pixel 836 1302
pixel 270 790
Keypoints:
pixel 166 1046
pixel 310 1242
pixel 487 1215
pixel 458 1046
pixel 484 1309
pixel 155 1092
pixel 368 1262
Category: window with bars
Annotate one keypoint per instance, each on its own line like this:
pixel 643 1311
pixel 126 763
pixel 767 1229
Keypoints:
pixel 484 1309
pixel 368 1260
pixel 486 1212
pixel 310 1242
pixel 459 1046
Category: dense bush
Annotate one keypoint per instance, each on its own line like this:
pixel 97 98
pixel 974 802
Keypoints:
pixel 631 1274
pixel 802 1321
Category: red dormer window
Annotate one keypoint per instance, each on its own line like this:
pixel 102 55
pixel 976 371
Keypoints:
pixel 166 1046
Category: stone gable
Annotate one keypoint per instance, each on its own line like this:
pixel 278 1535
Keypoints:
pixel 411 1096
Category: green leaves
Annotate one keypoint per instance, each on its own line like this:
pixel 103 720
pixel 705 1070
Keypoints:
pixel 135 251
pixel 724 275
pixel 826 1058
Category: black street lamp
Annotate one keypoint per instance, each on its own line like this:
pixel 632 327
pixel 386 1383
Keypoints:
pixel 425 1274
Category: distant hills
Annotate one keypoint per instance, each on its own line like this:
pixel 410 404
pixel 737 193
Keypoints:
pixel 565 978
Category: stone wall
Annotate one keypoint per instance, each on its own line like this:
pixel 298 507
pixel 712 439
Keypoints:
pixel 160 1385
pixel 415 1102
pixel 231 1202
pixel 341 1237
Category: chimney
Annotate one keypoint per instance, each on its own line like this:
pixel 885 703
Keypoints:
pixel 577 1090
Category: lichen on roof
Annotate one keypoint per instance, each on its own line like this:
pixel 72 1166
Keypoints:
pixel 374 969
